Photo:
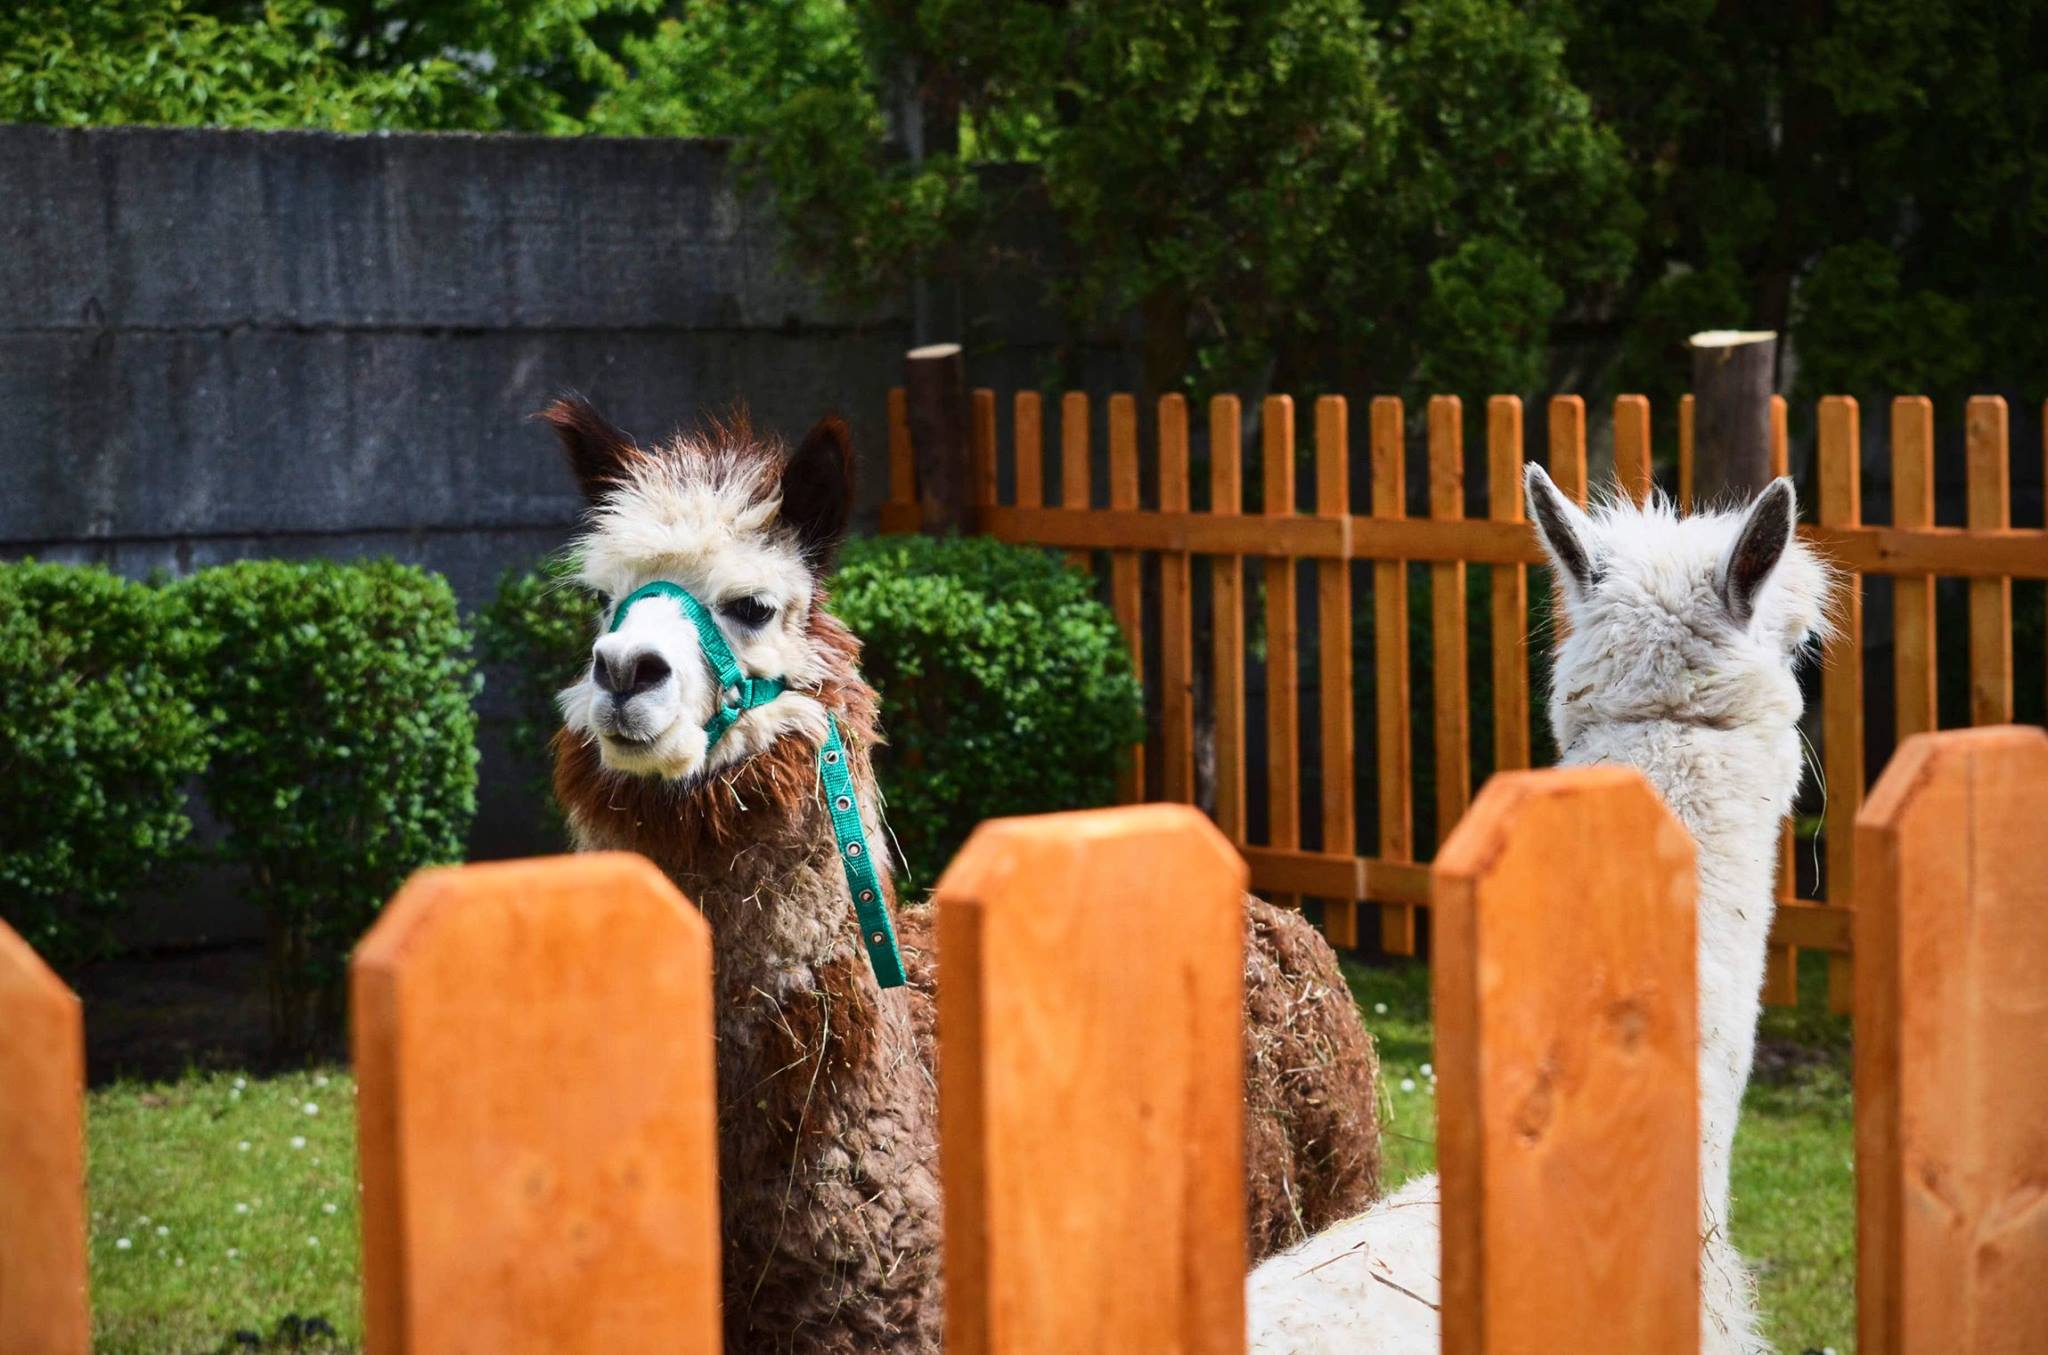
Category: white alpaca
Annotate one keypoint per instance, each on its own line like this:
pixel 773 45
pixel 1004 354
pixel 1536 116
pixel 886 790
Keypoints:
pixel 1680 661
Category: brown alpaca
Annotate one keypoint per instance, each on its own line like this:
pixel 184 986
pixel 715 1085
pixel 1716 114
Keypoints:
pixel 827 1098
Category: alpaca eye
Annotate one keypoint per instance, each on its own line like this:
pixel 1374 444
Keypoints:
pixel 748 612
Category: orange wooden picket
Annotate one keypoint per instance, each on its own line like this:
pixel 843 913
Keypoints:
pixel 1912 549
pixel 536 1113
pixel 42 1158
pixel 1568 1104
pixel 1090 1068
pixel 1952 1047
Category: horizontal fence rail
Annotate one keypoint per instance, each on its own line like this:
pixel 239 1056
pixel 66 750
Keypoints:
pixel 535 1046
pixel 1256 564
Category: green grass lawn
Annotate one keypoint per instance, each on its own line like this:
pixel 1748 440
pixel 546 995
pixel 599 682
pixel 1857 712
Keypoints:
pixel 222 1206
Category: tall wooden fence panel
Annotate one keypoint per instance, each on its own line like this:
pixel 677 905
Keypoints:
pixel 42 1158
pixel 1217 539
pixel 1568 1117
pixel 1091 1065
pixel 536 1113
pixel 1952 1048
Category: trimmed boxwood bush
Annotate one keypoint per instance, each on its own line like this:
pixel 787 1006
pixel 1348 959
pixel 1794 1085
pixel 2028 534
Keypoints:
pixel 99 739
pixel 344 752
pixel 1006 686
pixel 538 629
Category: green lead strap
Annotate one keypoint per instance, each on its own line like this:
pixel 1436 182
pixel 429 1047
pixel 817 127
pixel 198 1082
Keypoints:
pixel 876 931
pixel 738 694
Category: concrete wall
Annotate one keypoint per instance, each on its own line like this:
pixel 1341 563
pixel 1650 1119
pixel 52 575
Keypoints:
pixel 216 345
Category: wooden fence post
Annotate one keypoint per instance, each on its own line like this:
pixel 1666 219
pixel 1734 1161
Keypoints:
pixel 1732 375
pixel 43 1308
pixel 1952 1047
pixel 935 394
pixel 1091 1101
pixel 535 1112
pixel 1566 1047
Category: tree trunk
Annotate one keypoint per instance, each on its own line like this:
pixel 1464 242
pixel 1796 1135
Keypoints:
pixel 1732 377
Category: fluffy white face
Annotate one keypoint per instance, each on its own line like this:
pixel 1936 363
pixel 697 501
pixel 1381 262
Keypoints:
pixel 717 521
pixel 1700 620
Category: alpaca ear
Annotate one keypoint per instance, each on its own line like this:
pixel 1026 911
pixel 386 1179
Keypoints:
pixel 1766 532
pixel 598 452
pixel 817 490
pixel 1563 527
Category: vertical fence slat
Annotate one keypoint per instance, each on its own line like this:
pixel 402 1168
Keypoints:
pixel 1333 653
pixel 536 1112
pixel 1632 468
pixel 43 1307
pixel 981 472
pixel 1685 453
pixel 1567 450
pixel 1841 505
pixel 1510 593
pixel 1452 703
pixel 1913 626
pixel 1091 1106
pixel 1226 592
pixel 1283 665
pixel 1951 1052
pixel 1990 499
pixel 1567 1066
pixel 1390 669
pixel 1781 966
pixel 1125 598
pixel 1176 619
pixel 1029 437
pixel 1074 472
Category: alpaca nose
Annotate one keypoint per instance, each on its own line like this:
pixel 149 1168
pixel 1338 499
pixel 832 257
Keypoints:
pixel 626 676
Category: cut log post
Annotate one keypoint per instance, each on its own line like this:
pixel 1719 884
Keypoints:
pixel 1732 375
pixel 935 389
pixel 42 1158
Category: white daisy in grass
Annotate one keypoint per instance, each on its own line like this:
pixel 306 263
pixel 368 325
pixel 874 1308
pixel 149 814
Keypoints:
pixel 1407 1084
pixel 122 1244
pixel 310 1108
pixel 298 1140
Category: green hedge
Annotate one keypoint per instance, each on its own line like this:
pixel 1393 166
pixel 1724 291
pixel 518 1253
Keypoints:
pixel 344 751
pixel 536 633
pixel 1006 686
pixel 100 735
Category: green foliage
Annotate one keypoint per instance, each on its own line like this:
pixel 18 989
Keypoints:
pixel 725 67
pixel 100 738
pixel 345 750
pixel 537 629
pixel 1006 687
pixel 446 64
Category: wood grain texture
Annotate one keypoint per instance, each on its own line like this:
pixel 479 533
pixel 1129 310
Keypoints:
pixel 1990 509
pixel 1074 467
pixel 1566 458
pixel 1841 504
pixel 1913 625
pixel 535 1110
pixel 1632 465
pixel 1176 615
pixel 1029 438
pixel 905 514
pixel 1226 594
pixel 43 1301
pixel 1952 1048
pixel 1125 599
pixel 1093 1145
pixel 1686 470
pixel 1283 626
pixel 1395 785
pixel 1451 704
pixel 1510 592
pixel 1333 663
pixel 1568 1120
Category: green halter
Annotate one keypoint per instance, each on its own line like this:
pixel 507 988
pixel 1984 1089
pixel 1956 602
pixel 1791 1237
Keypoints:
pixel 738 694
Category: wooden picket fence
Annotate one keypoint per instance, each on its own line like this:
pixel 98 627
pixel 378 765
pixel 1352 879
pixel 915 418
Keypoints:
pixel 1989 551
pixel 538 1154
